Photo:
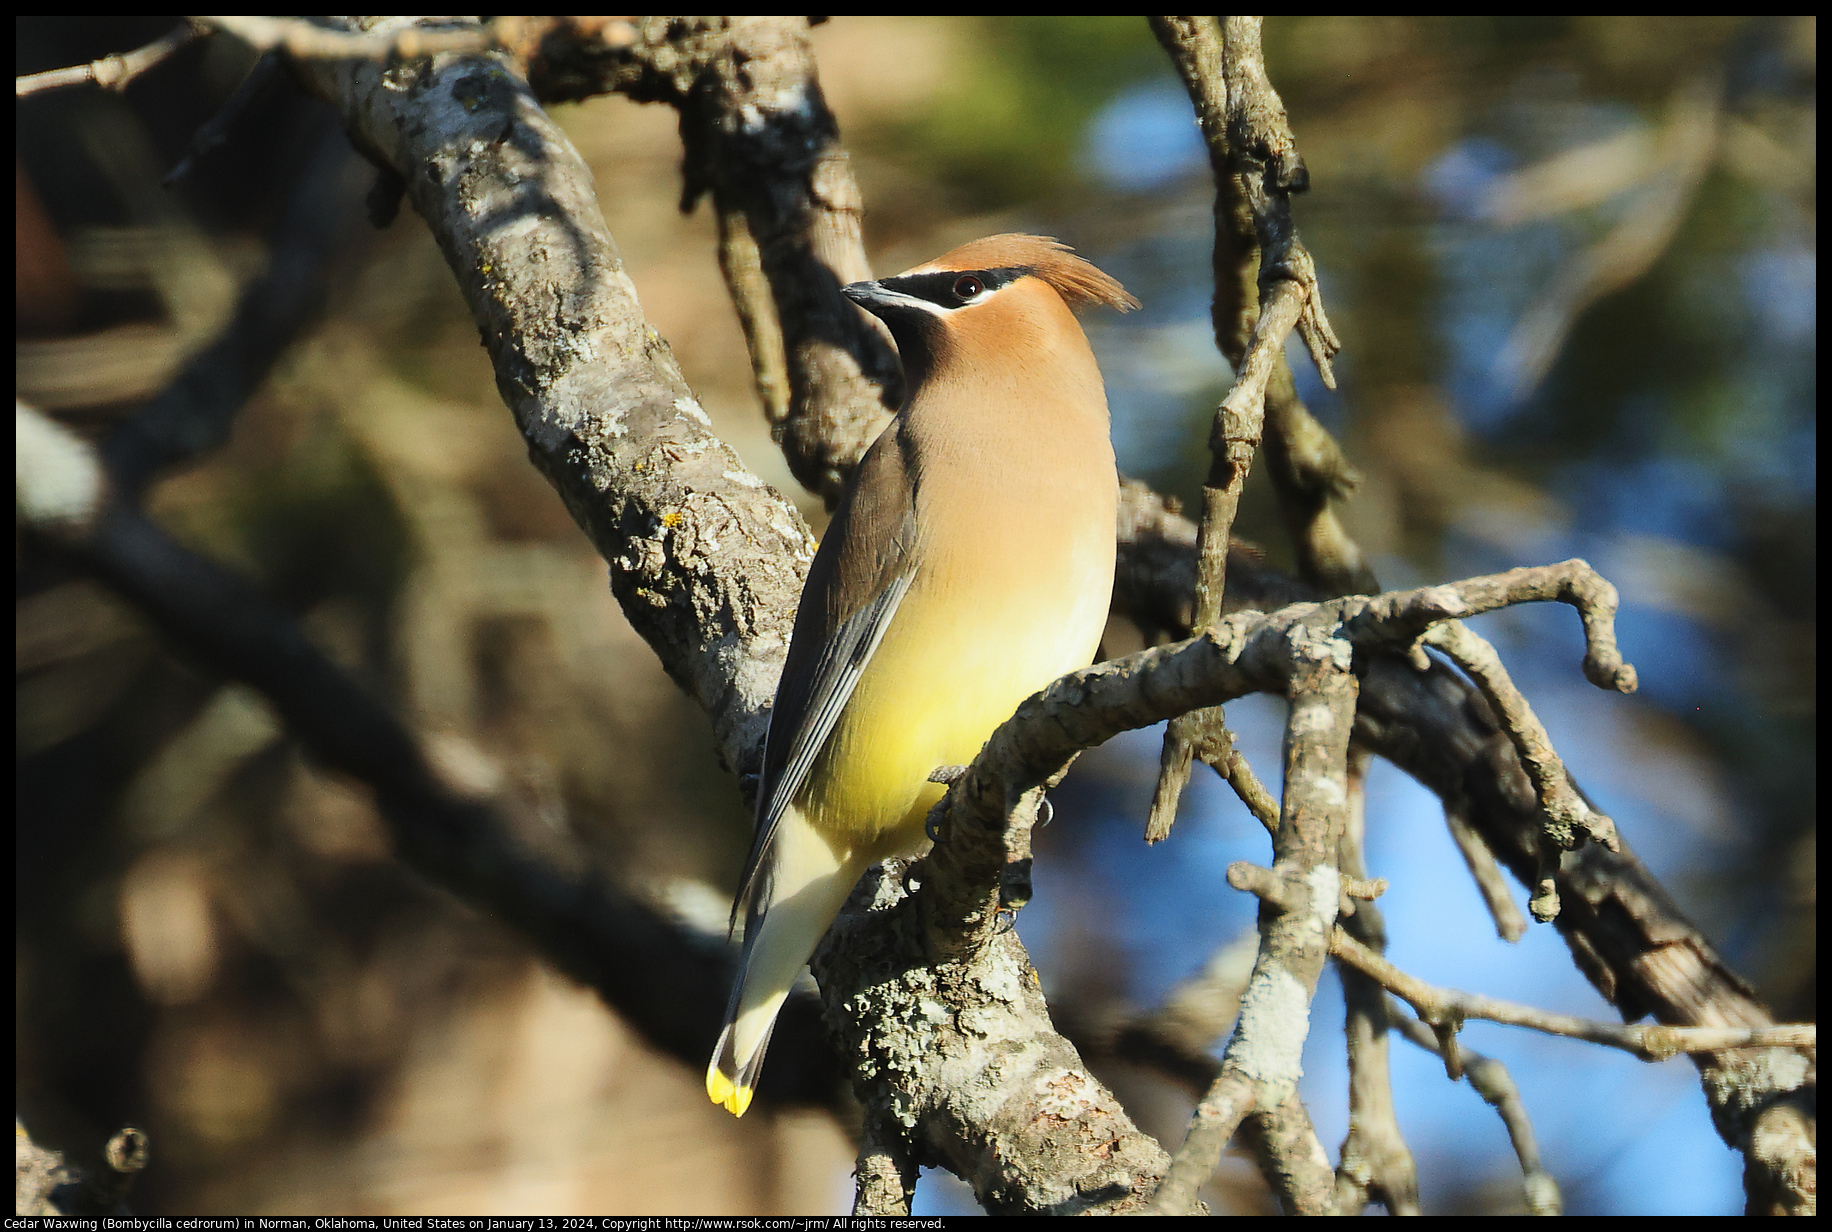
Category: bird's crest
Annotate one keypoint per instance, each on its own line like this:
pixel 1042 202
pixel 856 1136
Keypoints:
pixel 1079 283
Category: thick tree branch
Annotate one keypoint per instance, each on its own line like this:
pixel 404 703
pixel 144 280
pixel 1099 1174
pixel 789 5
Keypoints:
pixel 886 1172
pixel 759 136
pixel 960 1054
pixel 706 560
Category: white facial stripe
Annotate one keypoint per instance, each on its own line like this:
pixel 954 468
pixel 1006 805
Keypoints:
pixel 888 296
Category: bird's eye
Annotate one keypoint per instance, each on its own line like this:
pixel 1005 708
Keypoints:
pixel 968 287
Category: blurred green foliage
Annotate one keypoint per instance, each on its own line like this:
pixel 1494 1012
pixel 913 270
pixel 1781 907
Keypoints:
pixel 1005 127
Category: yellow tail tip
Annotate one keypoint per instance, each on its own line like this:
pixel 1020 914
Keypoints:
pixel 726 1093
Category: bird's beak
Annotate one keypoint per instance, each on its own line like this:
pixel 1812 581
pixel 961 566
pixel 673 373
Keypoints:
pixel 877 299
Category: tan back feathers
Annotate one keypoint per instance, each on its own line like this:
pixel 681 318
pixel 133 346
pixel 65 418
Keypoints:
pixel 1079 283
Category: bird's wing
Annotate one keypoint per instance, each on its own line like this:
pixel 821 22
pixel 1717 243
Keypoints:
pixel 861 572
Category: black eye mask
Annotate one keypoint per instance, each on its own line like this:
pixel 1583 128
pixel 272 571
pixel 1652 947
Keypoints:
pixel 943 288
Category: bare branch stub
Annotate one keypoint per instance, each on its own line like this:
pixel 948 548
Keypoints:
pixel 1510 925
pixel 886 1172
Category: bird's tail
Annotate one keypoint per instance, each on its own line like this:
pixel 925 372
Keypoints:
pixel 788 912
pixel 731 1079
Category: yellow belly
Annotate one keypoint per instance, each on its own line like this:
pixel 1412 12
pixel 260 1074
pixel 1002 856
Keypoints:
pixel 945 676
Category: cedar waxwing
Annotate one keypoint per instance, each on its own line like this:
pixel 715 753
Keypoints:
pixel 969 564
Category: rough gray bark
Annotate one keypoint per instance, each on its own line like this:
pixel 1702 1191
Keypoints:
pixel 706 559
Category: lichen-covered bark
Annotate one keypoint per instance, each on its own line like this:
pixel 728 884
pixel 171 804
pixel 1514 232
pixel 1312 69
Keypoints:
pixel 759 137
pixel 960 1056
pixel 705 558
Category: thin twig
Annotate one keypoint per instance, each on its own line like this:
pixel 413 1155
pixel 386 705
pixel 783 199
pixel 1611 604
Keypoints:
pixel 1261 144
pixel 112 72
pixel 1491 1080
pixel 1375 1162
pixel 1444 1010
pixel 1235 436
pixel 1510 925
pixel 1568 820
pixel 303 39
pixel 749 286
pixel 1255 163
pixel 1260 802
